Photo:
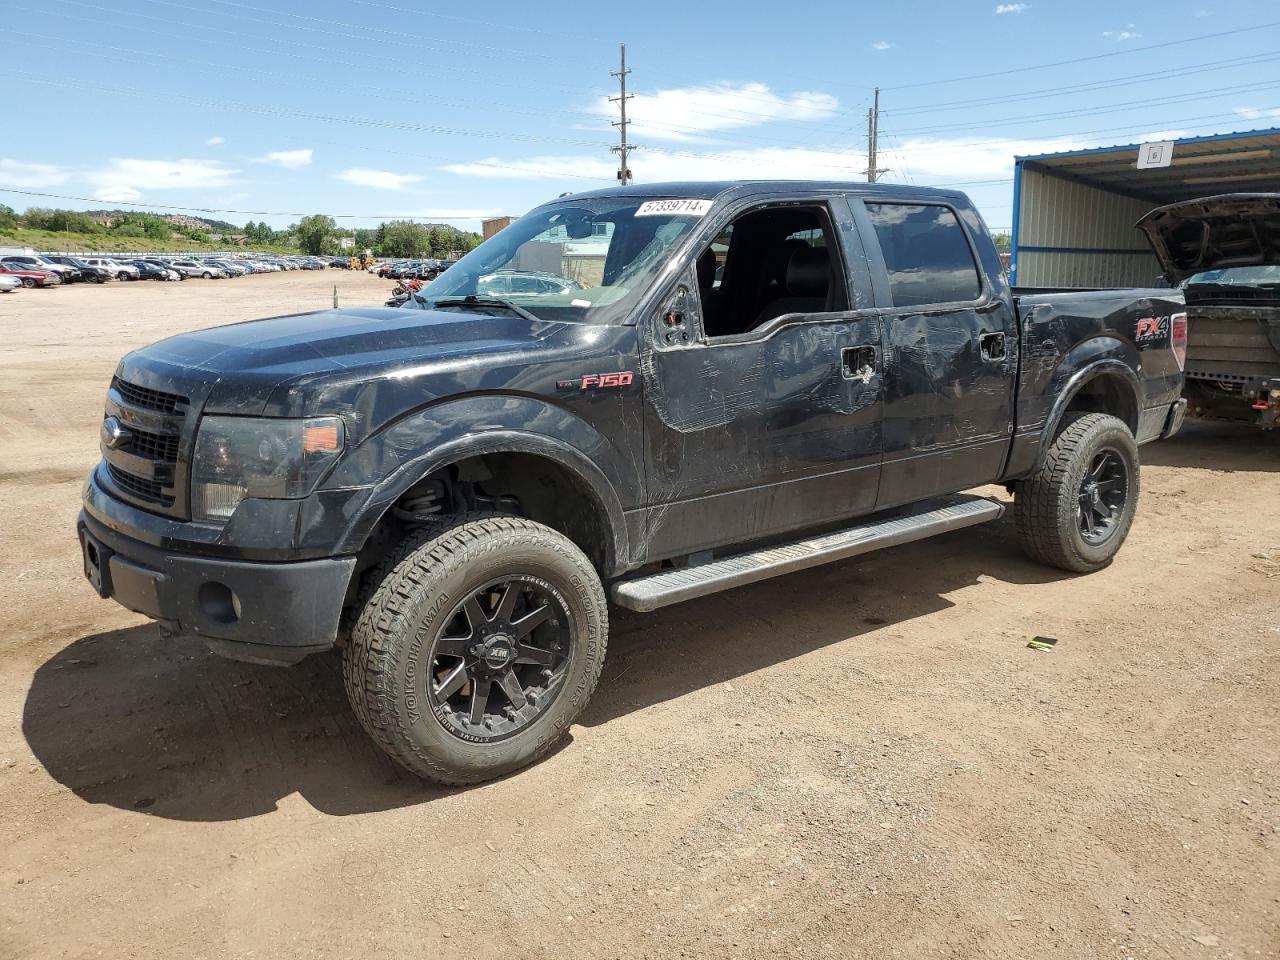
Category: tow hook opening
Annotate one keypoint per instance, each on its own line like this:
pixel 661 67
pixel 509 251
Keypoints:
pixel 219 602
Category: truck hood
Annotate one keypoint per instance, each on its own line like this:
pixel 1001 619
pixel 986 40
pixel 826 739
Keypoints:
pixel 237 368
pixel 1232 230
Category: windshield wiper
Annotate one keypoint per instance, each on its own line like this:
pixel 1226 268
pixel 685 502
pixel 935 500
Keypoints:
pixel 474 301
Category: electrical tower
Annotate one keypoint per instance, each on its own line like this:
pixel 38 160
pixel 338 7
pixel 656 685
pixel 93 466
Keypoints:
pixel 873 137
pixel 622 149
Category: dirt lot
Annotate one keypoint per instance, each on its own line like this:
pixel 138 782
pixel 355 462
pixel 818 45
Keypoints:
pixel 861 760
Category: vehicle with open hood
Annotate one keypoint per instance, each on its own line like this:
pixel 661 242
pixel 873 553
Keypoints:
pixel 1225 253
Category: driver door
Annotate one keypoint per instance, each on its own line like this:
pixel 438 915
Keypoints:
pixel 773 425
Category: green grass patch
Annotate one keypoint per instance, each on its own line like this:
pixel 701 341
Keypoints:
pixel 54 242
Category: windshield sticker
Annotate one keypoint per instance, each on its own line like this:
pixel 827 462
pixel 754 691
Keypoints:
pixel 667 208
pixel 579 303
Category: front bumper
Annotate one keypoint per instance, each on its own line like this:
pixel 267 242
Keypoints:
pixel 261 612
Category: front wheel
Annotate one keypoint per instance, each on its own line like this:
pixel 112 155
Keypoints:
pixel 1076 510
pixel 29 282
pixel 479 640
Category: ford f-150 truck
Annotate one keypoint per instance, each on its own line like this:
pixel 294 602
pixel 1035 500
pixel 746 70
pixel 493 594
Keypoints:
pixel 739 380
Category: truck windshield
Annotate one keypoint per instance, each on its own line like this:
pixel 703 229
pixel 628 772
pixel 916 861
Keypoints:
pixel 1248 276
pixel 583 261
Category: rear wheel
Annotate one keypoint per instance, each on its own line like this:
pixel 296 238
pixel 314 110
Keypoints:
pixel 478 642
pixel 1076 510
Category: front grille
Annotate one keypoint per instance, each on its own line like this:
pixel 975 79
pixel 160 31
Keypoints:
pixel 147 398
pixel 154 446
pixel 139 486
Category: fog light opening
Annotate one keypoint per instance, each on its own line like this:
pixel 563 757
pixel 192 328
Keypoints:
pixel 219 602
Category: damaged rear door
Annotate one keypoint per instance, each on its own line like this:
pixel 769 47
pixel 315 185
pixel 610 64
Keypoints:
pixel 763 404
pixel 952 344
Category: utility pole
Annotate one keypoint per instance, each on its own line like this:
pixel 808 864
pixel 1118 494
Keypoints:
pixel 624 171
pixel 873 140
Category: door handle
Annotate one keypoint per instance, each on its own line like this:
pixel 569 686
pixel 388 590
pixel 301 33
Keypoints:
pixel 991 346
pixel 858 363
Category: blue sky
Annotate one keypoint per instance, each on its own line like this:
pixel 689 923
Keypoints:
pixel 381 108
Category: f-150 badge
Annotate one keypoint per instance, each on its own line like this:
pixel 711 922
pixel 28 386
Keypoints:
pixel 597 381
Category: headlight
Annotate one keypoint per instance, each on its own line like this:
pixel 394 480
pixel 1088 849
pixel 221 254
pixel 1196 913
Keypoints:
pixel 239 457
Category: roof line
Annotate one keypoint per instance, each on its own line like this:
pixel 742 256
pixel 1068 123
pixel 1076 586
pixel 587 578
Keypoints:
pixel 1236 135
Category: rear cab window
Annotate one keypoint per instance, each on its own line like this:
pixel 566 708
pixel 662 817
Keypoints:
pixel 926 254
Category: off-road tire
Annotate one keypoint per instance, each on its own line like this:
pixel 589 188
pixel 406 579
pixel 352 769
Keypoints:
pixel 1046 503
pixel 400 610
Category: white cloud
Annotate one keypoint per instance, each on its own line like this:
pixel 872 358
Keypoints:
pixel 1012 7
pixel 378 179
pixel 162 174
pixel 923 160
pixel 289 159
pixel 215 142
pixel 1256 113
pixel 881 45
pixel 117 194
pixel 688 113
pixel 15 173
pixel 1119 36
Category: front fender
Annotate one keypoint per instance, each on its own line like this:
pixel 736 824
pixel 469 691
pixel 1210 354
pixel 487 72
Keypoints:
pixel 409 449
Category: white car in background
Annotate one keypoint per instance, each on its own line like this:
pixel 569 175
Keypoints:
pixel 121 271
pixel 8 283
pixel 193 268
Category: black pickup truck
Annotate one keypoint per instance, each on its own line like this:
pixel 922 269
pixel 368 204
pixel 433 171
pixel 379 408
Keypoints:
pixel 741 380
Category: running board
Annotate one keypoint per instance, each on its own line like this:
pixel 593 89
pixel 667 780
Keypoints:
pixel 672 586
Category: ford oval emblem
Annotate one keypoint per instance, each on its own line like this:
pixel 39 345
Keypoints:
pixel 115 434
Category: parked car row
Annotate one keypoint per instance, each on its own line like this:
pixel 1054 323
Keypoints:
pixel 413 269
pixel 51 270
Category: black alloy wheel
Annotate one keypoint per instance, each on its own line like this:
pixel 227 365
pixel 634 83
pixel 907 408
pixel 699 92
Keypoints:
pixel 499 660
pixel 1103 493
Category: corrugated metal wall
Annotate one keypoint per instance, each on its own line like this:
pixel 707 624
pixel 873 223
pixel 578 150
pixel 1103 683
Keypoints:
pixel 1073 235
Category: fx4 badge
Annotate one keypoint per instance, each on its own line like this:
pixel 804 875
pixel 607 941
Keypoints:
pixel 1151 328
pixel 596 381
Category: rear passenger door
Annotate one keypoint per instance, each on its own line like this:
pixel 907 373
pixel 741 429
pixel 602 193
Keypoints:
pixel 951 343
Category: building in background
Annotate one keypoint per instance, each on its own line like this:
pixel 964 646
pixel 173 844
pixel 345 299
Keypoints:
pixel 1073 213
pixel 489 227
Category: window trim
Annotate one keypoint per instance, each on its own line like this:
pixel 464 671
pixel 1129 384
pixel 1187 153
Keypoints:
pixel 862 217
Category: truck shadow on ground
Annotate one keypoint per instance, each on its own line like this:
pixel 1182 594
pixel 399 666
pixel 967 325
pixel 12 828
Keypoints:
pixel 1211 445
pixel 166 729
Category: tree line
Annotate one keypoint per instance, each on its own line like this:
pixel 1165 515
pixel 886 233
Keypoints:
pixel 122 225
pixel 317 234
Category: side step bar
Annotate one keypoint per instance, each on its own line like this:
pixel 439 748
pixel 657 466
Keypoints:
pixel 672 586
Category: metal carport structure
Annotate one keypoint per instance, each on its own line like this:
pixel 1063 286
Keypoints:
pixel 1073 212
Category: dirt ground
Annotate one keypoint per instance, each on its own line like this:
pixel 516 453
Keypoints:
pixel 860 760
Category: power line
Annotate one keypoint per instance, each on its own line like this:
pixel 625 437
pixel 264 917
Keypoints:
pixel 1094 111
pixel 1127 52
pixel 305 115
pixel 1131 79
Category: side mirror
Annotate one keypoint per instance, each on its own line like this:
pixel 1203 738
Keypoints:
pixel 673 316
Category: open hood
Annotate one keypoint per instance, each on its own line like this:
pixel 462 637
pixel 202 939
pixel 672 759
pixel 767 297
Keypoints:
pixel 1232 230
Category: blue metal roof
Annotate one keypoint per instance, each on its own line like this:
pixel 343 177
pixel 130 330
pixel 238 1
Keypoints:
pixel 1210 138
pixel 1245 161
